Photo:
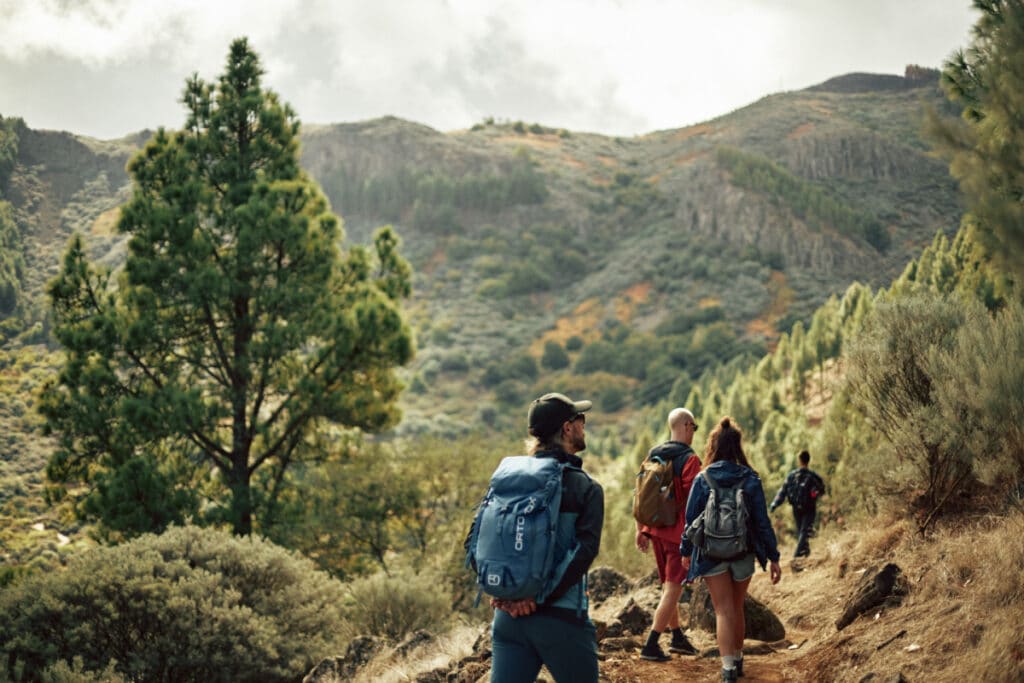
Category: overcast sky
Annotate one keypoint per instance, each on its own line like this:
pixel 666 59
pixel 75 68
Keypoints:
pixel 106 68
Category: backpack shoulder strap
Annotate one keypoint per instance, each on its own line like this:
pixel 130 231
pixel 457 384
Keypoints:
pixel 711 484
pixel 680 461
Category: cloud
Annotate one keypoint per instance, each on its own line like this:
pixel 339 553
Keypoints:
pixel 107 67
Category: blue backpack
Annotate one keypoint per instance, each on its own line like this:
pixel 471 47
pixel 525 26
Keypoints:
pixel 511 544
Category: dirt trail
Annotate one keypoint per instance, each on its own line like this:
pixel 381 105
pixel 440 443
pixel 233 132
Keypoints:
pixel 799 601
pixel 774 667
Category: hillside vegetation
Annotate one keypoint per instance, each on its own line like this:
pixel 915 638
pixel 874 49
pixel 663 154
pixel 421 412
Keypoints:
pixel 801 264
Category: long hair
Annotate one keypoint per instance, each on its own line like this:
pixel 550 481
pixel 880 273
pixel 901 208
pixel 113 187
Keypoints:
pixel 725 442
pixel 551 442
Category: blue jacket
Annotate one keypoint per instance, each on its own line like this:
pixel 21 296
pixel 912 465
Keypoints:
pixel 725 473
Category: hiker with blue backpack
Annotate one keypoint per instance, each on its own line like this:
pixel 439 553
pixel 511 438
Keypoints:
pixel 532 541
pixel 728 528
pixel 662 487
pixel 802 488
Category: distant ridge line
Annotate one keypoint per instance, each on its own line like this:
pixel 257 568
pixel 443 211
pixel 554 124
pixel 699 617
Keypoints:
pixel 868 82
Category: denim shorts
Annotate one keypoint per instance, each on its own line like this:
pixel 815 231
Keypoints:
pixel 741 569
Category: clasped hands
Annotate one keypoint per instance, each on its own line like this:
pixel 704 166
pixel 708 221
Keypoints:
pixel 515 608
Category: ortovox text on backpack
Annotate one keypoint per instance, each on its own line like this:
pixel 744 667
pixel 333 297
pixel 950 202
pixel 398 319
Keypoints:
pixel 721 530
pixel 511 545
pixel 654 498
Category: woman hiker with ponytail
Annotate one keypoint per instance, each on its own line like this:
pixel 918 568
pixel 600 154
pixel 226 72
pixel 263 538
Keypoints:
pixel 727 466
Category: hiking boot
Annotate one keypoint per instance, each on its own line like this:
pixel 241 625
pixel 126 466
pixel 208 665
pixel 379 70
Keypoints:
pixel 681 646
pixel 654 653
pixel 739 668
pixel 729 675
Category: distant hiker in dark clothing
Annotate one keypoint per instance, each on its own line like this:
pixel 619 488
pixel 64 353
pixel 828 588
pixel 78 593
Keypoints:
pixel 665 540
pixel 728 474
pixel 558 632
pixel 802 489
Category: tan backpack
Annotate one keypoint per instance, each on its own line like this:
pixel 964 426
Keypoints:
pixel 654 497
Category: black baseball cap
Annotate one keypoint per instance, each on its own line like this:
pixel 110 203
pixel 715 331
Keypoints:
pixel 550 411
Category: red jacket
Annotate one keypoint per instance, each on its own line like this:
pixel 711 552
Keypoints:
pixel 683 483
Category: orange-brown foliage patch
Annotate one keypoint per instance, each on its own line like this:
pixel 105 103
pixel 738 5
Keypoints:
pixel 761 328
pixel 582 322
pixel 782 294
pixel 689 157
pixel 572 161
pixel 820 106
pixel 106 222
pixel 625 305
pixel 692 131
pixel 531 140
pixel 801 130
pixel 436 259
pixel 782 297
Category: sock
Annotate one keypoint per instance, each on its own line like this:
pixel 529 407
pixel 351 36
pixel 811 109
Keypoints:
pixel 728 662
pixel 677 633
pixel 652 639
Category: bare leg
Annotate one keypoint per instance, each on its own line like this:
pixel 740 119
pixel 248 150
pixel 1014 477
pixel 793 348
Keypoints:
pixel 739 592
pixel 721 588
pixel 667 614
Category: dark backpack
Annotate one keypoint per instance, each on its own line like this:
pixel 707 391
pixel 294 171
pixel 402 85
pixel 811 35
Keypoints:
pixel 654 496
pixel 511 544
pixel 804 489
pixel 721 531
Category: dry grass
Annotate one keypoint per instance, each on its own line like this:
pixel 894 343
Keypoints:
pixel 444 652
pixel 960 622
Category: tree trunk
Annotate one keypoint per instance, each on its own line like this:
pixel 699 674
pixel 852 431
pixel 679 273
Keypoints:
pixel 241 500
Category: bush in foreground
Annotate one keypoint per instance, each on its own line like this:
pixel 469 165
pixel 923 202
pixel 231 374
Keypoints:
pixel 189 605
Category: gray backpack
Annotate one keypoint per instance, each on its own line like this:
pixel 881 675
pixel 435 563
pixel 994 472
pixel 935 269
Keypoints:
pixel 721 531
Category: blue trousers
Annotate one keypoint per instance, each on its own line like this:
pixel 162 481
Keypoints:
pixel 521 645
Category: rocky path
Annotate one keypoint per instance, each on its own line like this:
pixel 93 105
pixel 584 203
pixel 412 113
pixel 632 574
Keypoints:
pixel 765 665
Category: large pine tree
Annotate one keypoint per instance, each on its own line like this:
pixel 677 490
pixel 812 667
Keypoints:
pixel 199 374
pixel 987 147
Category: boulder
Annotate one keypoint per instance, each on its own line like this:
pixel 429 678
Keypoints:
pixel 412 641
pixel 470 673
pixel 648 580
pixel 438 675
pixel 877 588
pixel 327 670
pixel 604 582
pixel 482 644
pixel 358 653
pixel 613 629
pixel 762 624
pixel 635 619
pixel 626 644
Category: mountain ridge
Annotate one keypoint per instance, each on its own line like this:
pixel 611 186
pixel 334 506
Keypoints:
pixel 513 229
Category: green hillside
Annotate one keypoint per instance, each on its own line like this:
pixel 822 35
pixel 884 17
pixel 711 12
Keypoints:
pixel 623 269
pixel 651 257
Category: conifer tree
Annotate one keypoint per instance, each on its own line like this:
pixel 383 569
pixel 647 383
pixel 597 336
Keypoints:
pixel 237 327
pixel 987 147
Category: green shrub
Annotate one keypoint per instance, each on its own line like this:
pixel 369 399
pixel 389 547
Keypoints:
pixel 188 605
pixel 555 357
pixel 62 672
pixel 394 606
pixel 454 362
